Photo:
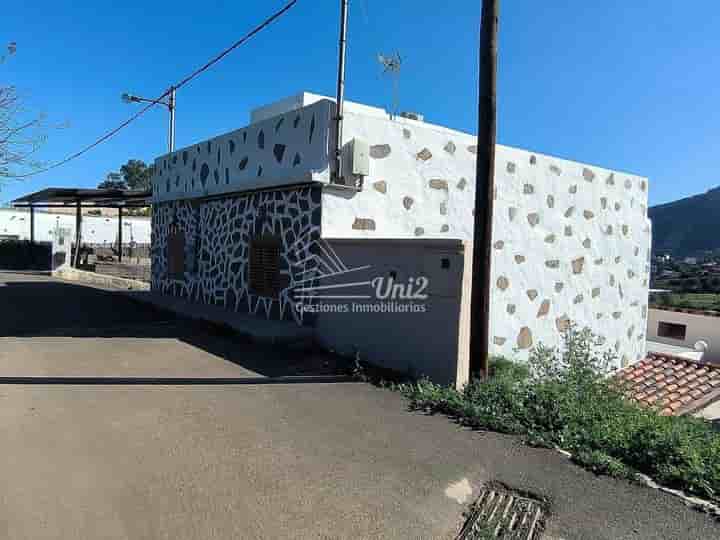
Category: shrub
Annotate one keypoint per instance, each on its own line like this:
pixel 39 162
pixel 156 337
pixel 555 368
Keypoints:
pixel 564 398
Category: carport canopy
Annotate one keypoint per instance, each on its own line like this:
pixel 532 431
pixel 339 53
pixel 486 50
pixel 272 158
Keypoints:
pixel 83 198
pixel 92 198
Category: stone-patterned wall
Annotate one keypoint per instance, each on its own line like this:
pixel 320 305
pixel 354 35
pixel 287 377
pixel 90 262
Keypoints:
pixel 287 149
pixel 571 241
pixel 217 242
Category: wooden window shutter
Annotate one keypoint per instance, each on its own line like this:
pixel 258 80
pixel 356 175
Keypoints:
pixel 265 276
pixel 176 252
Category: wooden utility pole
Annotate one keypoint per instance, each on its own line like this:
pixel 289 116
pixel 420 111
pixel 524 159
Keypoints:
pixel 484 190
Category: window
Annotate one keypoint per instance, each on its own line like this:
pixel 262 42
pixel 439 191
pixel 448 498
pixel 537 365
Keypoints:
pixel 265 276
pixel 176 252
pixel 672 330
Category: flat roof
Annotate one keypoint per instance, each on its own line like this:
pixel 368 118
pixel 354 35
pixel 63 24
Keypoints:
pixel 674 350
pixel 93 197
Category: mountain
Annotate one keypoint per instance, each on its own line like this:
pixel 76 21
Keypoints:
pixel 687 227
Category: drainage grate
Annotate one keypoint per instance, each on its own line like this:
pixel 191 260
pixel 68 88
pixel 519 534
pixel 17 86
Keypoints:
pixel 500 513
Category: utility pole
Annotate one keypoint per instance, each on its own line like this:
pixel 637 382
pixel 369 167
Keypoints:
pixel 484 190
pixel 340 101
pixel 170 104
pixel 171 108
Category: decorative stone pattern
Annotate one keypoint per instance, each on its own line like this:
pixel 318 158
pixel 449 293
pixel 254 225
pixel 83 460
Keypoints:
pixel 217 247
pixel 580 207
pixel 560 225
pixel 525 338
pixel 438 183
pixel 424 154
pixel 380 151
pixel 364 224
pixel 288 146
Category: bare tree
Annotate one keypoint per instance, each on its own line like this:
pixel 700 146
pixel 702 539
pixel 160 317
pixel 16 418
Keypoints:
pixel 21 134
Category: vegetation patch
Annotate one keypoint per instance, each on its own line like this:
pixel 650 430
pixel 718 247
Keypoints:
pixel 701 301
pixel 563 398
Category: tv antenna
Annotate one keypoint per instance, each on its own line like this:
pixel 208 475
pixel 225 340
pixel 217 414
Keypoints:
pixel 391 67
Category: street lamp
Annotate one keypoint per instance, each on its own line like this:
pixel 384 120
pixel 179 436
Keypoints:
pixel 170 104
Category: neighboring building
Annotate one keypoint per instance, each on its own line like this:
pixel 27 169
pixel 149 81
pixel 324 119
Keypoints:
pixel 247 219
pixel 15 224
pixel 692 329
pixel 675 386
pixel 690 260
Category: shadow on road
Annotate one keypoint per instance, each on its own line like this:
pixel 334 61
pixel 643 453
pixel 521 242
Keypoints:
pixel 178 381
pixel 35 306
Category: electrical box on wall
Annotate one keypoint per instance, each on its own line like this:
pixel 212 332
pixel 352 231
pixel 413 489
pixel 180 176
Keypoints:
pixel 355 162
pixel 360 158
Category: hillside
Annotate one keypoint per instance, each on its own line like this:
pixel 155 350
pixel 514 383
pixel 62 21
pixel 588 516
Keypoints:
pixel 687 227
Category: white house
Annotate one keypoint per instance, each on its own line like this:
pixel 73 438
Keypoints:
pixel 256 220
pixel 690 333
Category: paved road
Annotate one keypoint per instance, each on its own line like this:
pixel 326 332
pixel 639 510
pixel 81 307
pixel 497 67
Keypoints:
pixel 246 459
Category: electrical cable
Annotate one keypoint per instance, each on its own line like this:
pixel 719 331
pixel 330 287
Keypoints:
pixel 267 22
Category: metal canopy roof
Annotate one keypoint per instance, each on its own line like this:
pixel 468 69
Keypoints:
pixel 97 198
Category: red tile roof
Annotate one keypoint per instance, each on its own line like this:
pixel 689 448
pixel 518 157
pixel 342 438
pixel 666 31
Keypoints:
pixel 672 384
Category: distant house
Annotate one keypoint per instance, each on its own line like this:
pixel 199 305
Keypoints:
pixel 260 220
pixel 688 330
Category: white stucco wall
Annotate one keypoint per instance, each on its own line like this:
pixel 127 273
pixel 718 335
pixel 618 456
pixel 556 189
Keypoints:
pixel 699 327
pixel 289 148
pixel 571 241
pixel 95 230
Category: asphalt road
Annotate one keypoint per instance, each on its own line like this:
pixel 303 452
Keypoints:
pixel 251 455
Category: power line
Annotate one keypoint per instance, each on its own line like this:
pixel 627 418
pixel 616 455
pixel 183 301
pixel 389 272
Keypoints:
pixel 267 22
pixel 239 42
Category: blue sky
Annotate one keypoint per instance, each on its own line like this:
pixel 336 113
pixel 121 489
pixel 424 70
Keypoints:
pixel 626 85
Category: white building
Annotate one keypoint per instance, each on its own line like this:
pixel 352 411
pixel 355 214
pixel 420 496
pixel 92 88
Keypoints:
pixel 690 333
pixel 15 224
pixel 250 218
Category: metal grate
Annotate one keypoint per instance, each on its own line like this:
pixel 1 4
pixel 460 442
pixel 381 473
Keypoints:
pixel 265 276
pixel 502 514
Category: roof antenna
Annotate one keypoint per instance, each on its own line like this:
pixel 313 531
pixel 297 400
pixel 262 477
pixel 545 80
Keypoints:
pixel 391 66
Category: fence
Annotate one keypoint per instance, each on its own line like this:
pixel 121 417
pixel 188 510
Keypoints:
pixel 25 255
pixel 104 259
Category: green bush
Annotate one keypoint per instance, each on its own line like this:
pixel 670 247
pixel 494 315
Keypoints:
pixel 564 398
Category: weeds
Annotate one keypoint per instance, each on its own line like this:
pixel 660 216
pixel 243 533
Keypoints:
pixel 563 398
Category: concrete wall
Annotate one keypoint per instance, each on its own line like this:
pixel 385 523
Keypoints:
pixel 286 149
pixel 699 327
pixel 95 230
pixel 431 341
pixel 100 280
pixel 572 241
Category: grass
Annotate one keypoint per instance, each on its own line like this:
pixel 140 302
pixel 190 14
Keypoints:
pixel 702 301
pixel 562 398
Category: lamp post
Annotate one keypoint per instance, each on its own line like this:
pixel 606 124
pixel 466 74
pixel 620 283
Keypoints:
pixel 170 104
